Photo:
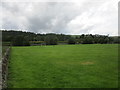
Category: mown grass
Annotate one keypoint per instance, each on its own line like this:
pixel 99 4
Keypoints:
pixel 66 66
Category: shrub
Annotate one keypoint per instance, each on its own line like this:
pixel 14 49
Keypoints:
pixel 51 40
pixel 71 40
pixel 20 41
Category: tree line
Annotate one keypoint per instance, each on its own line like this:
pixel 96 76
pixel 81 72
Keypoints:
pixel 20 38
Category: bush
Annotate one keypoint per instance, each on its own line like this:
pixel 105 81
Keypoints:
pixel 51 40
pixel 87 40
pixel 71 40
pixel 20 41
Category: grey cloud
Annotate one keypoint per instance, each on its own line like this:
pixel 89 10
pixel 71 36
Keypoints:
pixel 53 19
pixel 13 7
pixel 47 17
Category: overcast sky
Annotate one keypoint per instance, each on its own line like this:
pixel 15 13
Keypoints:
pixel 80 17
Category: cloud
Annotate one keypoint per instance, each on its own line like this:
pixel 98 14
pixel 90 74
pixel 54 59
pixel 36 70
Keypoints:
pixel 96 17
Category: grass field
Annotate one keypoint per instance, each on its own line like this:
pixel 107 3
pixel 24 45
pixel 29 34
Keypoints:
pixel 66 66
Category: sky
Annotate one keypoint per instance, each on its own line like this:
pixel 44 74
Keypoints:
pixel 73 17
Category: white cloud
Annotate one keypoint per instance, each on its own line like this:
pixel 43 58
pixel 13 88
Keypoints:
pixel 100 19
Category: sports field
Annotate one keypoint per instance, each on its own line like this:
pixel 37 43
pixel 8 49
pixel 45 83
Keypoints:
pixel 64 66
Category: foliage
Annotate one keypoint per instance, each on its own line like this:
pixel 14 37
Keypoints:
pixel 116 40
pixel 20 41
pixel 87 40
pixel 71 40
pixel 51 40
pixel 8 36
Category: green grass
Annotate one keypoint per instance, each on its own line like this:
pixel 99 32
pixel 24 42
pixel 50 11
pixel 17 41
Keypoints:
pixel 66 66
pixel 5 46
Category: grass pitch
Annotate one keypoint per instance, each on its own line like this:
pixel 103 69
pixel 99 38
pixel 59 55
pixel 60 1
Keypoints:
pixel 64 66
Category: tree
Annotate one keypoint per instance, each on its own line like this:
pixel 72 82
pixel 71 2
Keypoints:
pixel 71 40
pixel 87 40
pixel 51 40
pixel 26 41
pixel 116 39
pixel 20 41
